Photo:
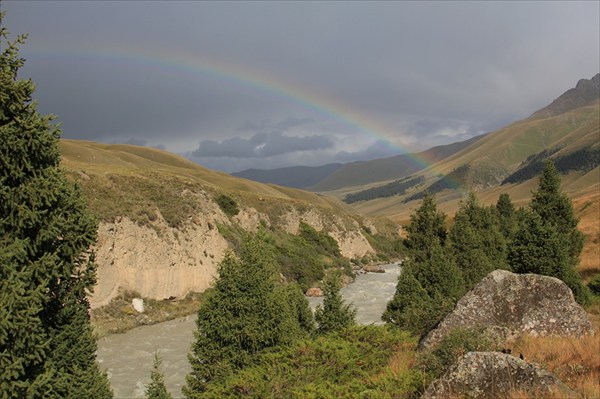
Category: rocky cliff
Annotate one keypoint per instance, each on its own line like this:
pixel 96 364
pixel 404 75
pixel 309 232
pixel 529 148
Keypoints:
pixel 166 222
pixel 159 261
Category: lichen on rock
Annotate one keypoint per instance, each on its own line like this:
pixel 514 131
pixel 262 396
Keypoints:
pixel 509 305
pixel 491 375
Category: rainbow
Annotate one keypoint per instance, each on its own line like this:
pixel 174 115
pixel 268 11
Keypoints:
pixel 194 65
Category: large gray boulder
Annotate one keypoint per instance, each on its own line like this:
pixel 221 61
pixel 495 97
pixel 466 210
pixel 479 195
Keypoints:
pixel 508 305
pixel 491 375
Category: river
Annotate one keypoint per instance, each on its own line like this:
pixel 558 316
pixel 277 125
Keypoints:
pixel 128 357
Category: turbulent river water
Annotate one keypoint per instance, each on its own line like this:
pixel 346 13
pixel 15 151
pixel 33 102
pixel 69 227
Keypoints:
pixel 128 357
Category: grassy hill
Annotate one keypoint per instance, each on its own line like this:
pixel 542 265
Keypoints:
pixel 565 130
pixel 126 180
pixel 385 169
pixel 294 176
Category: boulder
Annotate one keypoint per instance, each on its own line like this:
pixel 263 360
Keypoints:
pixel 315 291
pixel 490 375
pixel 373 269
pixel 508 305
pixel 138 304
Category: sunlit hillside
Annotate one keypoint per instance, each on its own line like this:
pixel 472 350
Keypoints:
pixel 121 180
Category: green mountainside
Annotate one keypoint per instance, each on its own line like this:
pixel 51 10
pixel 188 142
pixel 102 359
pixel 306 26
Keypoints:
pixel 386 169
pixel 511 156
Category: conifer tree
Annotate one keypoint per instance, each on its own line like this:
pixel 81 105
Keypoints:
pixel 46 344
pixel 334 315
pixel 477 243
pixel 157 388
pixel 507 216
pixel 426 229
pixel 548 241
pixel 242 316
pixel 430 282
pixel 555 208
pixel 411 308
pixel 301 315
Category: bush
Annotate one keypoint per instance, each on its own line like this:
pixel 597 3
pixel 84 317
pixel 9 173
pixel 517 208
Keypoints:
pixel 594 285
pixel 349 364
pixel 460 341
pixel 227 205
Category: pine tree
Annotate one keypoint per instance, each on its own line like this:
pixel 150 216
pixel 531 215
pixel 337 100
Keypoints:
pixel 476 241
pixel 46 344
pixel 157 388
pixel 548 241
pixel 411 308
pixel 430 282
pixel 555 208
pixel 334 315
pixel 426 229
pixel 242 316
pixel 507 216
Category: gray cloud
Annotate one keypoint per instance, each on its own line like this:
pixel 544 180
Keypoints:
pixel 285 124
pixel 261 145
pixel 222 72
pixel 379 149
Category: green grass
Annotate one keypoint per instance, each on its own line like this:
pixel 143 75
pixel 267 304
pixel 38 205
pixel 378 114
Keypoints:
pixel 352 364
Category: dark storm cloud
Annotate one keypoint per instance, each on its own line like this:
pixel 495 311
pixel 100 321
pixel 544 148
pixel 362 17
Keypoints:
pixel 261 145
pixel 306 69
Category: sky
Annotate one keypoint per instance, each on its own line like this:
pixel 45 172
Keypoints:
pixel 237 85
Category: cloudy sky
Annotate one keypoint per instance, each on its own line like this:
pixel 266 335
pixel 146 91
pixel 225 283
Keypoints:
pixel 235 85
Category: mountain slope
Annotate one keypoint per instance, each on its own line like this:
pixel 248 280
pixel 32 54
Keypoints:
pixel 563 131
pixel 396 167
pixel 294 176
pixel 584 93
pixel 166 222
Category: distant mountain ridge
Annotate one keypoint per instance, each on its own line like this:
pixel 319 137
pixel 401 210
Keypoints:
pixel 385 169
pixel 566 131
pixel 337 175
pixel 293 176
pixel 586 92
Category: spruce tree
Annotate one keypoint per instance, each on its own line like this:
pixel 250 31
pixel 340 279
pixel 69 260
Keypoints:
pixel 477 243
pixel 334 315
pixel 548 241
pixel 411 308
pixel 46 344
pixel 157 388
pixel 429 273
pixel 426 229
pixel 242 316
pixel 300 314
pixel 507 216
pixel 555 208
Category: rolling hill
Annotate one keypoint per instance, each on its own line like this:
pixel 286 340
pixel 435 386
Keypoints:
pixel 335 176
pixel 567 131
pixel 570 137
pixel 294 176
pixel 166 222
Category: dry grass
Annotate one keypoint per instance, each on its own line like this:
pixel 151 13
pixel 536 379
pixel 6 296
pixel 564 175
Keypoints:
pixel 575 361
pixel 404 359
pixel 588 211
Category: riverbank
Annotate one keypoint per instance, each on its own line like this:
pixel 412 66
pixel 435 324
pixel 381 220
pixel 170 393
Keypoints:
pixel 120 315
pixel 127 357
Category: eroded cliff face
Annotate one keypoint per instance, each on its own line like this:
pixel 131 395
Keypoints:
pixel 158 261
